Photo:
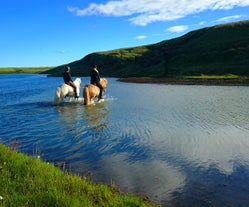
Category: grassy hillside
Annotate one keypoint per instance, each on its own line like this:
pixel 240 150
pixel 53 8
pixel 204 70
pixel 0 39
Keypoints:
pixel 217 50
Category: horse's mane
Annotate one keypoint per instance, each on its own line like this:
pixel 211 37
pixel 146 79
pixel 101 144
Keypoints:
pixel 103 81
pixel 78 80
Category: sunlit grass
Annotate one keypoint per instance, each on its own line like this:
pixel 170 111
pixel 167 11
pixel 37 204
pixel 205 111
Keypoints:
pixel 26 181
pixel 226 76
pixel 18 70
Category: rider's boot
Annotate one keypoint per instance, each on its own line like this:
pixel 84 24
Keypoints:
pixel 100 94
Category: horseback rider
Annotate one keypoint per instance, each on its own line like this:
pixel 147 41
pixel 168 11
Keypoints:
pixel 68 80
pixel 95 79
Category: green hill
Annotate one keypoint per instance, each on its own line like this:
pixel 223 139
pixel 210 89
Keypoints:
pixel 217 50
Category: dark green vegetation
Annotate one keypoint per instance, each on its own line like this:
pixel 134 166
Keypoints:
pixel 26 181
pixel 217 50
pixel 15 70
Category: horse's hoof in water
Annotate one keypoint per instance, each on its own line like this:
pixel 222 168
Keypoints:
pixel 100 100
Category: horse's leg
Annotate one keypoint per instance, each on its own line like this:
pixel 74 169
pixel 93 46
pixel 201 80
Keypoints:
pixel 65 92
pixel 86 95
pixel 77 92
pixel 60 94
pixel 99 94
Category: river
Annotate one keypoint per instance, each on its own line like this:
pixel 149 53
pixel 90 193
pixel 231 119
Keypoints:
pixel 179 145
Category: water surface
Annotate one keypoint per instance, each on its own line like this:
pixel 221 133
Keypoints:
pixel 179 145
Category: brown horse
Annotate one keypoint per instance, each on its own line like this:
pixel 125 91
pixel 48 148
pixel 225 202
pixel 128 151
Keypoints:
pixel 91 91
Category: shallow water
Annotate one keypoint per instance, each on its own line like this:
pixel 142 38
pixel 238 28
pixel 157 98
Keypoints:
pixel 179 145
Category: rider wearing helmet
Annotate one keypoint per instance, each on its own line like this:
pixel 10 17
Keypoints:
pixel 95 79
pixel 68 80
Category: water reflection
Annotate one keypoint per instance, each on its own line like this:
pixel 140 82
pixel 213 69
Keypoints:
pixel 185 143
pixel 153 177
pixel 69 112
pixel 84 126
pixel 95 114
pixel 208 187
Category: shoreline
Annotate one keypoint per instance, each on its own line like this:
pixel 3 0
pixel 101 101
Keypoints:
pixel 188 81
pixel 31 181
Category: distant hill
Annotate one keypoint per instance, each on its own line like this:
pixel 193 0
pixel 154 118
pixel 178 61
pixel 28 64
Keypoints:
pixel 217 50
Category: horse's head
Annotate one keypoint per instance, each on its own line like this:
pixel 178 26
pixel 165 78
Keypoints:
pixel 77 81
pixel 103 82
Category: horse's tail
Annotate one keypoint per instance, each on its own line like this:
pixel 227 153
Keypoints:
pixel 86 95
pixel 57 97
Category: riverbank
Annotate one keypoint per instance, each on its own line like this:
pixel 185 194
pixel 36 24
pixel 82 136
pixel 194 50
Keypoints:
pixel 230 80
pixel 26 181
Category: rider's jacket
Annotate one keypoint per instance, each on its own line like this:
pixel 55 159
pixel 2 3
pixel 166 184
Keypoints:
pixel 94 77
pixel 67 77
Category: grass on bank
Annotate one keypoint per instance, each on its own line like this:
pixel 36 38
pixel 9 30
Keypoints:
pixel 202 77
pixel 18 70
pixel 224 80
pixel 26 181
pixel 220 77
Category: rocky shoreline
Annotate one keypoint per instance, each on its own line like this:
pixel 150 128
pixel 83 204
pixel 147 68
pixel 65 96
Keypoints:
pixel 188 81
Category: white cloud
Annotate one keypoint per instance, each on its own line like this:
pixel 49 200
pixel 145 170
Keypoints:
pixel 141 37
pixel 143 12
pixel 179 28
pixel 201 23
pixel 61 51
pixel 229 18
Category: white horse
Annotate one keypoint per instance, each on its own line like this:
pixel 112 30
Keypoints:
pixel 65 90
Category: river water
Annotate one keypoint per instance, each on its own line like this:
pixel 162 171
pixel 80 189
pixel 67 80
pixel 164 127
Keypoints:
pixel 178 145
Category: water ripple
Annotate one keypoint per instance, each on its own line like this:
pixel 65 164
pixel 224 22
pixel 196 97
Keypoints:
pixel 156 139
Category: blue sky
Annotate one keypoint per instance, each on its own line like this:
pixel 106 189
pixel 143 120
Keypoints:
pixel 56 32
